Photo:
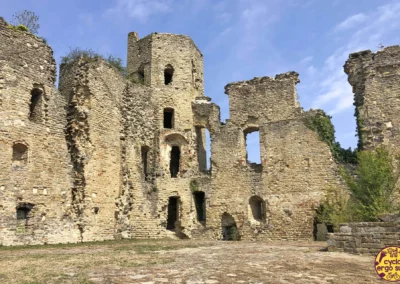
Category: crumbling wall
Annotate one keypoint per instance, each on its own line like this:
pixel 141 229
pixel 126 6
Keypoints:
pixel 295 170
pixel 35 168
pixel 374 77
pixel 94 90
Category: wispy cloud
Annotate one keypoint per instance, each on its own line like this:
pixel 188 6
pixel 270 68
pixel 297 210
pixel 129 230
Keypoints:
pixel 335 91
pixel 306 60
pixel 139 10
pixel 351 22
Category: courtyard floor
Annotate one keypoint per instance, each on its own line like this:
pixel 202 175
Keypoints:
pixel 186 261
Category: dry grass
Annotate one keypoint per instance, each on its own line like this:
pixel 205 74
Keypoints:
pixel 73 263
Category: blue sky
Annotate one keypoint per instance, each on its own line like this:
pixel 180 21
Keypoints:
pixel 240 39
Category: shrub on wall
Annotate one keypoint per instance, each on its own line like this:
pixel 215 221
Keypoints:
pixel 322 124
pixel 76 53
pixel 371 191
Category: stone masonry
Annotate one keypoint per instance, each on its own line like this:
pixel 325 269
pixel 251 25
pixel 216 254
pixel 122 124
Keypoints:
pixel 107 156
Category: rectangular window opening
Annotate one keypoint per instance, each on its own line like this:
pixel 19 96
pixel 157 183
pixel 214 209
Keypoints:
pixel 253 149
pixel 175 161
pixel 173 212
pixel 168 118
pixel 199 201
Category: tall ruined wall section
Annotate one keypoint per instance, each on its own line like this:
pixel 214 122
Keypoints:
pixel 93 91
pixel 375 77
pixel 35 168
pixel 296 166
pixel 152 57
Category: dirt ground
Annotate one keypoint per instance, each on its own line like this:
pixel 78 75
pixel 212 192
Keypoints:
pixel 186 261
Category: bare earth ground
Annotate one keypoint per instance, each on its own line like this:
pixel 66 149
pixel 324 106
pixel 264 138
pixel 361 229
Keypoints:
pixel 186 261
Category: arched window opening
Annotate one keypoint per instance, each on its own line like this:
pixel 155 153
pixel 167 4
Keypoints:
pixel 257 206
pixel 35 105
pixel 230 231
pixel 175 161
pixel 145 152
pixel 253 149
pixel 200 204
pixel 168 74
pixel 20 154
pixel 168 118
pixel 203 149
pixel 173 212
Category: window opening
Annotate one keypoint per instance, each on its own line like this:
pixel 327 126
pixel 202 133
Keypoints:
pixel 145 151
pixel 20 154
pixel 175 161
pixel 168 74
pixel 35 104
pixel 253 151
pixel 23 212
pixel 173 212
pixel 168 118
pixel 257 206
pixel 199 201
pixel 230 231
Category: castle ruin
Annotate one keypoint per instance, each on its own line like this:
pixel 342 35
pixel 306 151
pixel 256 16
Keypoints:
pixel 105 157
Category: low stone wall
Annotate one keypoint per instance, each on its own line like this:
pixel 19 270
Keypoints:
pixel 365 237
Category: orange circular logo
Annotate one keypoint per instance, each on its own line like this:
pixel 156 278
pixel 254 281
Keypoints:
pixel 387 264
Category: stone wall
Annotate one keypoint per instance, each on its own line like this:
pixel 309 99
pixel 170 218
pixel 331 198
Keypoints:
pixel 94 91
pixel 296 166
pixel 375 77
pixel 365 238
pixel 35 168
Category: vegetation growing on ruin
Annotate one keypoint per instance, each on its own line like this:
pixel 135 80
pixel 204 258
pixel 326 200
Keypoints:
pixel 322 124
pixel 371 191
pixel 26 21
pixel 21 28
pixel 194 186
pixel 360 125
pixel 89 54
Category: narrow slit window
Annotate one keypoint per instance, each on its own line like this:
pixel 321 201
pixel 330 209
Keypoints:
pixel 145 152
pixel 253 149
pixel 168 118
pixel 168 74
pixel 175 161
pixel 35 105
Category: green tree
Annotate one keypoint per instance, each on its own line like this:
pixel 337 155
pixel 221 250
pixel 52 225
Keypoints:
pixel 373 186
pixel 371 191
pixel 27 19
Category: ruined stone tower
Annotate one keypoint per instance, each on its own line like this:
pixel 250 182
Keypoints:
pixel 375 77
pixel 164 157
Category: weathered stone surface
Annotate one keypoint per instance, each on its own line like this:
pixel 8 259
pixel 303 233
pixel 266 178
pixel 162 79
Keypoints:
pixel 375 77
pixel 111 157
pixel 364 237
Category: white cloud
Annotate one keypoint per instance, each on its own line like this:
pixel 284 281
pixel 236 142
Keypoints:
pixel 139 10
pixel 306 60
pixel 335 92
pixel 351 22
